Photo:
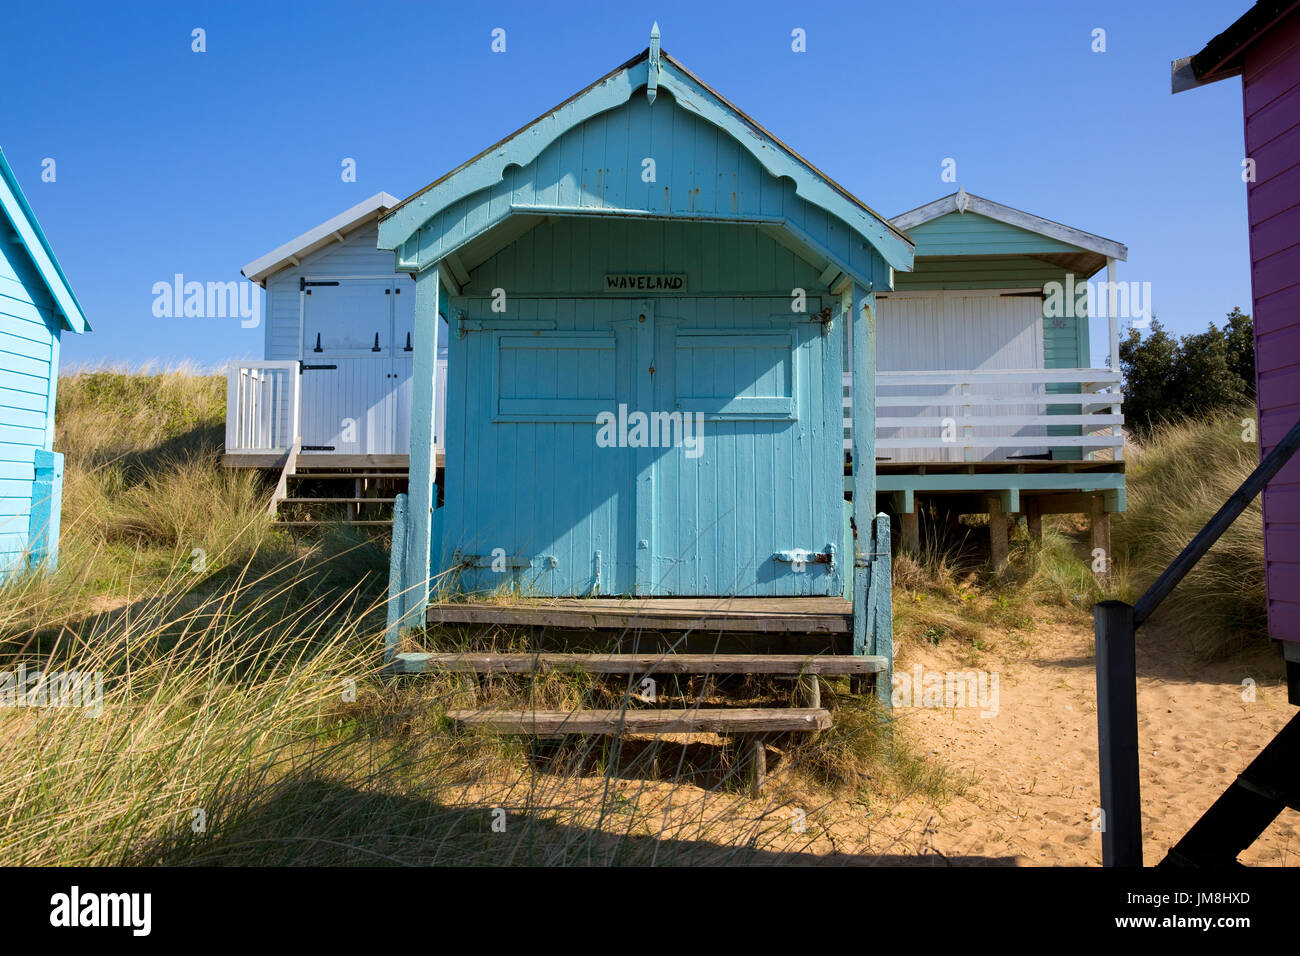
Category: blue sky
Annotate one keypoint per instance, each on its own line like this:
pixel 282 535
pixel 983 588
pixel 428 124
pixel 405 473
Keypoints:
pixel 173 161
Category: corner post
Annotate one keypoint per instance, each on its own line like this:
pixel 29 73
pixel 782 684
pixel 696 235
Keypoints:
pixel 882 636
pixel 396 583
pixel 46 510
pixel 1117 734
pixel 855 305
pixel 420 489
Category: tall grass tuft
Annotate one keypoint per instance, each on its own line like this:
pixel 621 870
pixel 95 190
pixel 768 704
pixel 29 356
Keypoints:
pixel 1181 475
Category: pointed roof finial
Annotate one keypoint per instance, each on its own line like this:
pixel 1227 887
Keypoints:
pixel 961 200
pixel 652 85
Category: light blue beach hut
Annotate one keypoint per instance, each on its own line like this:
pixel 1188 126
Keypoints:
pixel 646 295
pixel 37 306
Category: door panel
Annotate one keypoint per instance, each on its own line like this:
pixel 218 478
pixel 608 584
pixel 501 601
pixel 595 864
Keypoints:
pixel 752 484
pixel 554 505
pixel 348 377
pixel 348 409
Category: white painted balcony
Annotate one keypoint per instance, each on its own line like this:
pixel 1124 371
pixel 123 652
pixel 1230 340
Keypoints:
pixel 1002 415
pixel 262 407
pixel 357 409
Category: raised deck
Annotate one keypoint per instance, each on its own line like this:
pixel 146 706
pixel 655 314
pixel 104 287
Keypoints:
pixel 796 615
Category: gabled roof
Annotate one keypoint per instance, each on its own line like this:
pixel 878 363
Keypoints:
pixel 1223 56
pixel 962 202
pixel 652 70
pixel 330 231
pixel 29 231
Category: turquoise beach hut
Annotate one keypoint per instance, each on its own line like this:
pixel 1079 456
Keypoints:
pixel 37 306
pixel 646 294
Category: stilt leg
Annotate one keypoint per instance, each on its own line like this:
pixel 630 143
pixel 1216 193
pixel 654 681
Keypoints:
pixel 1034 522
pixel 911 522
pixel 1100 540
pixel 998 545
pixel 756 763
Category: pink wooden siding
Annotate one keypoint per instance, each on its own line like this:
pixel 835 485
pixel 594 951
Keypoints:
pixel 1271 98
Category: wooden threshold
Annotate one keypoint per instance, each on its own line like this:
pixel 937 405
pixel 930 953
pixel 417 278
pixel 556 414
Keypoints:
pixel 553 723
pixel 806 615
pixel 775 664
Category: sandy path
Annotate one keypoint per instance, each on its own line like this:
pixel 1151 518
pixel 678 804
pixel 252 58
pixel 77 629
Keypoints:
pixel 1035 763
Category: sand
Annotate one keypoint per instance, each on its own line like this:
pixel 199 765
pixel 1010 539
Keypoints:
pixel 1035 793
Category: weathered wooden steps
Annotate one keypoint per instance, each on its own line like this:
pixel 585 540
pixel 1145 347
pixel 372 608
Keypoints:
pixel 783 665
pixel 749 724
pixel 554 723
pixel 316 496
pixel 794 615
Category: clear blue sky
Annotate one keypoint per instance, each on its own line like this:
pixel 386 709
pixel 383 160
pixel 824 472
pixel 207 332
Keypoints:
pixel 172 161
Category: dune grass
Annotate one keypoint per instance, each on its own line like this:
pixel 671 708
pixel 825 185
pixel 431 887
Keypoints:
pixel 1181 475
pixel 244 717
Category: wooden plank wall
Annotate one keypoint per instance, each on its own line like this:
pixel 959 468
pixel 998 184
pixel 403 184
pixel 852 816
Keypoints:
pixel 29 349
pixel 1271 102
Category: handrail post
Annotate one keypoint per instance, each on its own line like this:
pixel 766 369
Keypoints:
pixel 1117 734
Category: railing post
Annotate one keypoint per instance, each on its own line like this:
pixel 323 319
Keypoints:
pixel 1117 734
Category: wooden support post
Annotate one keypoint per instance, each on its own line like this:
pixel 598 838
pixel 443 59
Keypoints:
pixel 421 492
pixel 1100 538
pixel 911 522
pixel 998 540
pixel 808 691
pixel 1117 734
pixel 755 750
pixel 1034 521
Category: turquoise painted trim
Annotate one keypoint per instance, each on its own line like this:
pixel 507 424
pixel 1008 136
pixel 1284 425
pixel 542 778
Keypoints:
pixel 55 346
pixel 857 308
pixel 38 248
pixel 647 501
pixel 882 633
pixel 1113 482
pixel 613 90
pixel 47 510
pixel 420 488
pixel 396 581
pixel 859 305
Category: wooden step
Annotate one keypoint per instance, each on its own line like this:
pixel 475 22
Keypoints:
pixel 791 665
pixel 337 501
pixel 793 615
pixel 554 723
pixel 327 523
pixel 303 474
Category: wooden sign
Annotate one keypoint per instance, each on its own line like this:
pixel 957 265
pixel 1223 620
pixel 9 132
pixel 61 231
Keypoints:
pixel 644 282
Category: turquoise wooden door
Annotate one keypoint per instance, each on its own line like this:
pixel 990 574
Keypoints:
pixel 746 498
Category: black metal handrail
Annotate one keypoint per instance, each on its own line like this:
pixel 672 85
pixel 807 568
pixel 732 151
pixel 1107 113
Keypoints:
pixel 1114 625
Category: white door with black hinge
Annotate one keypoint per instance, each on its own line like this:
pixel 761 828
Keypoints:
pixel 348 375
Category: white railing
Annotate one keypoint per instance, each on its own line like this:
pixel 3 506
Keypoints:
pixel 971 416
pixel 262 400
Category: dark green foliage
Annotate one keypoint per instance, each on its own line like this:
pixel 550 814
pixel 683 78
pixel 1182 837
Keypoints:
pixel 1168 379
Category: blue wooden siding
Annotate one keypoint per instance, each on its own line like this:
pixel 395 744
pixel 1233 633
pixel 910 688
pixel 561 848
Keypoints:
pixel 596 168
pixel 29 341
pixel 525 474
